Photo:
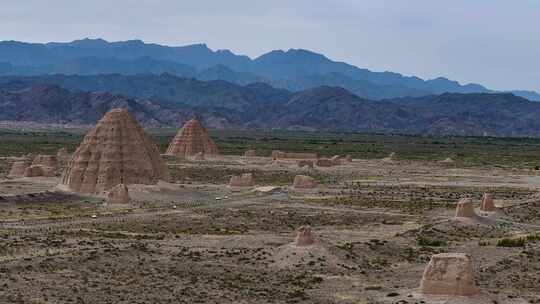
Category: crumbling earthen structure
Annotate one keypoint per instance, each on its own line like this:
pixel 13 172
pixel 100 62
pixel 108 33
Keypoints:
pixel 119 194
pixel 336 159
pixel 304 237
pixel 465 208
pixel 304 182
pixel 276 154
pixel 449 274
pixel 447 160
pixel 62 153
pixel 325 162
pixel 244 180
pixel 390 158
pixel 193 138
pixel 487 203
pixel 305 163
pixel 116 151
pixel 38 170
pixel 46 160
pixel 250 153
pixel 17 168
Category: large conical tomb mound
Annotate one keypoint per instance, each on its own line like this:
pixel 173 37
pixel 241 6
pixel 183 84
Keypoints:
pixel 192 139
pixel 116 151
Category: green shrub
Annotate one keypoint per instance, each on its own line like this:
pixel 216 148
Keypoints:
pixel 533 237
pixel 520 242
pixel 423 241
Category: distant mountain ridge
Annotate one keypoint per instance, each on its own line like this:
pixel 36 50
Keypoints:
pixel 295 69
pixel 168 101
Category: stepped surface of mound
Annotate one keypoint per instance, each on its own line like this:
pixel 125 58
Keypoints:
pixel 192 139
pixel 116 151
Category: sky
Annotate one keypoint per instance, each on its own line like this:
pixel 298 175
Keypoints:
pixel 492 42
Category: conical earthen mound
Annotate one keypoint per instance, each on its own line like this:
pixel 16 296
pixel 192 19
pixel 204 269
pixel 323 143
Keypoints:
pixel 192 139
pixel 116 151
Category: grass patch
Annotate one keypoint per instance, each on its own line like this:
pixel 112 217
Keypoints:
pixel 424 241
pixel 519 242
pixel 466 151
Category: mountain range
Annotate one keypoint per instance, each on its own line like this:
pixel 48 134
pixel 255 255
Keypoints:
pixel 295 70
pixel 168 101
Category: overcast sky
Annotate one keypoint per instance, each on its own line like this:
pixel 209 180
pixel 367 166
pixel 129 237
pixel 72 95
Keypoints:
pixel 492 42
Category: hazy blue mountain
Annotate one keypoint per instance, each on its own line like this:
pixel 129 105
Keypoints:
pixel 530 95
pixel 295 69
pixel 35 54
pixel 142 65
pixel 223 72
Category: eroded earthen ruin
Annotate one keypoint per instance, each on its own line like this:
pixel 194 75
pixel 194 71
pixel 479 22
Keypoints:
pixel 465 208
pixel 305 163
pixel 17 168
pixel 324 162
pixel 250 153
pixel 487 203
pixel 244 180
pixel 119 194
pixel 304 237
pixel 304 182
pixel 336 159
pixel 62 153
pixel 46 160
pixel 276 154
pixel 38 170
pixel 449 274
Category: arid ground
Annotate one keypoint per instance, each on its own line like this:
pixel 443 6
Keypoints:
pixel 377 222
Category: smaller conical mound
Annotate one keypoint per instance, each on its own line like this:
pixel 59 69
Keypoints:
pixel 192 139
pixel 116 151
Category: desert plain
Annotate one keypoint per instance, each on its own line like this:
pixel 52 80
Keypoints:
pixel 375 220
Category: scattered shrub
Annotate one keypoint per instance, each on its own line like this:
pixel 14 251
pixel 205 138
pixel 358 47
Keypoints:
pixel 423 241
pixel 520 242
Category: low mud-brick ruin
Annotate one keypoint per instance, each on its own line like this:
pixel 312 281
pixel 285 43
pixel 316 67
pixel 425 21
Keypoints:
pixel 449 274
